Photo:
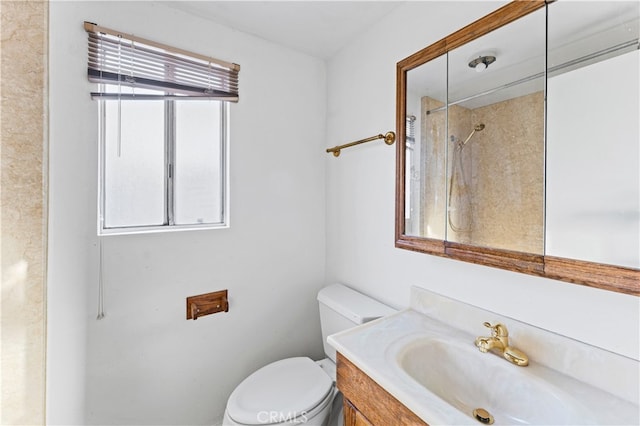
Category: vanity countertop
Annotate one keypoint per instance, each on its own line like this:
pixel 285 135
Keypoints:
pixel 376 346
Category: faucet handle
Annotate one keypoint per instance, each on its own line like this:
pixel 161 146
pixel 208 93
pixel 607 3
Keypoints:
pixel 497 330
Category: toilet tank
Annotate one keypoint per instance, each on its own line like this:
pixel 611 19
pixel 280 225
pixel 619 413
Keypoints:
pixel 342 308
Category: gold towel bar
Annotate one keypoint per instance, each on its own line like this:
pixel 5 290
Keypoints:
pixel 389 139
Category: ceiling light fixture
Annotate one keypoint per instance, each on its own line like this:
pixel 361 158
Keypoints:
pixel 482 62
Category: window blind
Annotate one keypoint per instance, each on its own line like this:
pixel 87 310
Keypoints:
pixel 123 59
pixel 410 129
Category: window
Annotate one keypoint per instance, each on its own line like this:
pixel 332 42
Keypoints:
pixel 163 134
pixel 410 144
pixel 163 165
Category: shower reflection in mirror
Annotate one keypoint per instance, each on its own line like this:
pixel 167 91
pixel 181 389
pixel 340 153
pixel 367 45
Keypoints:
pixel 479 151
pixel 460 181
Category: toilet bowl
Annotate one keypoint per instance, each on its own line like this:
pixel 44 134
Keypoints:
pixel 300 391
pixel 286 392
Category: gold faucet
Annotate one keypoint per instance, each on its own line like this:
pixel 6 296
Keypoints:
pixel 499 343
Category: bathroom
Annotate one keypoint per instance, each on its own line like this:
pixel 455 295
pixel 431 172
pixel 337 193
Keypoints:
pixel 300 219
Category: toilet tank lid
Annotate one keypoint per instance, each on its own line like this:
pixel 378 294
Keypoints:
pixel 352 304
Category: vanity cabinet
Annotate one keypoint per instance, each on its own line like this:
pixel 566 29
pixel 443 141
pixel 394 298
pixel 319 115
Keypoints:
pixel 353 417
pixel 366 403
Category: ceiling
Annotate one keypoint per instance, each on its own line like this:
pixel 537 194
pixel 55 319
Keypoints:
pixel 317 28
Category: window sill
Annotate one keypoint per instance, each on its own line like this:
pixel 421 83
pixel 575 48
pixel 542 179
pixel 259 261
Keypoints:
pixel 106 232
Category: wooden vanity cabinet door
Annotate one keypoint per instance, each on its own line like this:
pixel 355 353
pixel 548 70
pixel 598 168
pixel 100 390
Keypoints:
pixel 367 403
pixel 353 417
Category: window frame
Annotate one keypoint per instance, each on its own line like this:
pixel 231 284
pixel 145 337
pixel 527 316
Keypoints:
pixel 169 174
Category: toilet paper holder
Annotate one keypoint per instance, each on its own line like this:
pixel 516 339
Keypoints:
pixel 207 304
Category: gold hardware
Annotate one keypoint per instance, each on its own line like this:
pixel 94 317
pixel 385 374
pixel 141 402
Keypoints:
pixel 389 138
pixel 516 356
pixel 483 416
pixel 499 343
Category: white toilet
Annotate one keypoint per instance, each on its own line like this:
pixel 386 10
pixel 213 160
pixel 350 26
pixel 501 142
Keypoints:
pixel 300 391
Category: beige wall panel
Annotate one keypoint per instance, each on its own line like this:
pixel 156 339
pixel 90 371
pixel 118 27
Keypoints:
pixel 23 189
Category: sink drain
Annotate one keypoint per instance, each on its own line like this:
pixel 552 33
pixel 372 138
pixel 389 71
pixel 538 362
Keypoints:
pixel 483 416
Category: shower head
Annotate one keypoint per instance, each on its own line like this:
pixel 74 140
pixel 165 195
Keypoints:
pixel 477 128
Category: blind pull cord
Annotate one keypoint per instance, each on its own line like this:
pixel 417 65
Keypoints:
pixel 101 284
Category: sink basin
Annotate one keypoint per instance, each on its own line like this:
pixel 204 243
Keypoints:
pixel 458 373
pixel 428 362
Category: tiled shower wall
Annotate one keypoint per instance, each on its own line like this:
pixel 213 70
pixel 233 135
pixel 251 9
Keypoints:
pixel 23 195
pixel 497 196
pixel 508 175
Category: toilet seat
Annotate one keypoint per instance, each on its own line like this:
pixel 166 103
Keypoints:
pixel 283 391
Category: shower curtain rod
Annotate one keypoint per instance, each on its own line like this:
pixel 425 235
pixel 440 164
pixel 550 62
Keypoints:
pixel 541 74
pixel 389 139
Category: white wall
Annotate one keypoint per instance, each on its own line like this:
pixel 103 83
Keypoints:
pixel 360 199
pixel 144 363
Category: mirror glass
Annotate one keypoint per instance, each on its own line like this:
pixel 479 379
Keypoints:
pixel 593 159
pixel 496 138
pixel 475 141
pixel 426 150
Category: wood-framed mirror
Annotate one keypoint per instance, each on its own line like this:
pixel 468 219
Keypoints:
pixel 521 143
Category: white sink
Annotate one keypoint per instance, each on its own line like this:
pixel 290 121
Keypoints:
pixel 458 373
pixel 435 370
